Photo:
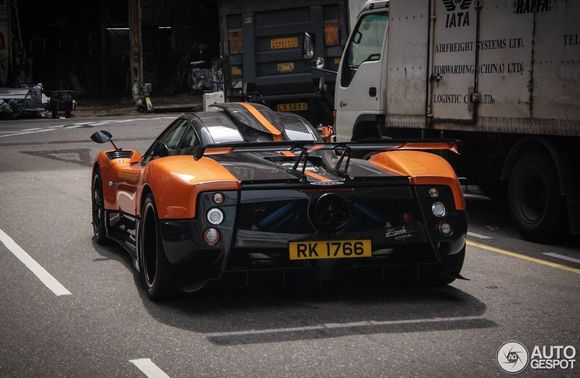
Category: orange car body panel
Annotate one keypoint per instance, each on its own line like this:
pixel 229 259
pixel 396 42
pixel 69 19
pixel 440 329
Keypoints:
pixel 451 146
pixel 175 182
pixel 123 174
pixel 423 168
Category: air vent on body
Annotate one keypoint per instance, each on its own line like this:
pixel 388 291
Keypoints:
pixel 119 154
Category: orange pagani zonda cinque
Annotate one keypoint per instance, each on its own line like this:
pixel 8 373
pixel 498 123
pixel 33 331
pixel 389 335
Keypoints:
pixel 244 189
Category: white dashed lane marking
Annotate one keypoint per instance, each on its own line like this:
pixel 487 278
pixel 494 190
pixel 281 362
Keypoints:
pixel 76 125
pixel 479 236
pixel 149 368
pixel 46 278
pixel 562 257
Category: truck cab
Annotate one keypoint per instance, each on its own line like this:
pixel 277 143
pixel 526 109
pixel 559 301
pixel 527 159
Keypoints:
pixel 359 100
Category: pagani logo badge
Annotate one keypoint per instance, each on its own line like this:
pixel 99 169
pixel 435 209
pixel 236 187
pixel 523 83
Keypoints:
pixel 512 357
pixel 457 13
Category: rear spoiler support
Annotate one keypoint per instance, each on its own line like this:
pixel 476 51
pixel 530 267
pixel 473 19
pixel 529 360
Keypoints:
pixel 342 149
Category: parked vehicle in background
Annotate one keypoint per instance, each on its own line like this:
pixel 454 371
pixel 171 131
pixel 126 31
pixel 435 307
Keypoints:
pixel 28 100
pixel 269 47
pixel 502 76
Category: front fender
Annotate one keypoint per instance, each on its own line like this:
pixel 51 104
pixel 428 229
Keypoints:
pixel 111 171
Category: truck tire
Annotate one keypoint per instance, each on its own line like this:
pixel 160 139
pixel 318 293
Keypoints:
pixel 536 206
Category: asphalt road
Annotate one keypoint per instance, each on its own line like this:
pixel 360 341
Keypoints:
pixel 103 320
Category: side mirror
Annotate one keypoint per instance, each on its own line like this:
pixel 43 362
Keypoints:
pixel 319 64
pixel 102 136
pixel 160 149
pixel 308 47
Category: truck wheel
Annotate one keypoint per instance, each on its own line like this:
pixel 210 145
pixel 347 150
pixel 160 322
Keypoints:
pixel 536 207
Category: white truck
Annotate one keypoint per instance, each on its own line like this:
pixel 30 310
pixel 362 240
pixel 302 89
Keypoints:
pixel 503 76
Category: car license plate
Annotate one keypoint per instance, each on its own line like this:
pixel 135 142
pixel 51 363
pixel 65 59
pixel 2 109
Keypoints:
pixel 329 249
pixel 284 67
pixel 293 107
pixel 283 43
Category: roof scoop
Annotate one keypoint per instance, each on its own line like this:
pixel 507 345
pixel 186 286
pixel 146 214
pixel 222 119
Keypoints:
pixel 255 116
pixel 103 136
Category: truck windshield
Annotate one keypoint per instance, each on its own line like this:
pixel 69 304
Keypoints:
pixel 365 45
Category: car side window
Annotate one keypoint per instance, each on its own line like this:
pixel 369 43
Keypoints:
pixel 189 140
pixel 172 140
pixel 176 128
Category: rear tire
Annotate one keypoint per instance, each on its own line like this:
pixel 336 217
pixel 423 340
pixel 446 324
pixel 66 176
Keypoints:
pixel 98 209
pixel 536 207
pixel 155 269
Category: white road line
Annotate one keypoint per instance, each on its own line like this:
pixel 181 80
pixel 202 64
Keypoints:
pixel 46 278
pixel 24 133
pixel 344 325
pixel 124 120
pixel 76 126
pixel 562 257
pixel 479 236
pixel 149 368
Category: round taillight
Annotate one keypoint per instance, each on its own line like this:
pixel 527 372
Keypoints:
pixel 218 198
pixel 211 236
pixel 433 193
pixel 438 209
pixel 215 216
pixel 445 229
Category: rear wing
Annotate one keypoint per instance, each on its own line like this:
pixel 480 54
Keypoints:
pixel 342 149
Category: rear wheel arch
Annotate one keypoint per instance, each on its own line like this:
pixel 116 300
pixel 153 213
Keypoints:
pixel 144 193
pixel 367 126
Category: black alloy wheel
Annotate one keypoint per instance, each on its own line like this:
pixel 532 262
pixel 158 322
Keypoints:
pixel 155 269
pixel 98 209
